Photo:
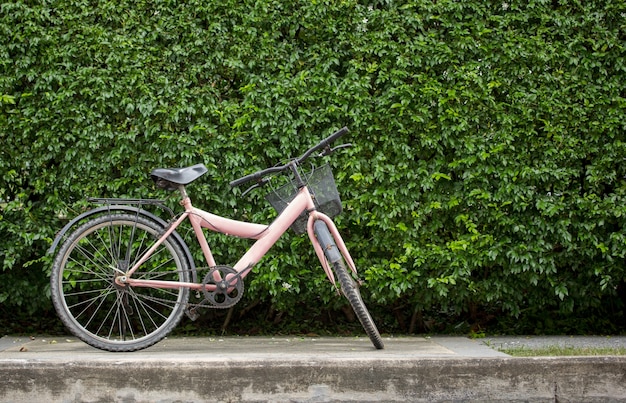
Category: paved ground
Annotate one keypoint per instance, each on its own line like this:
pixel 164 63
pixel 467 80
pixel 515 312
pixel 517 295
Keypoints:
pixel 247 348
pixel 296 369
pixel 234 348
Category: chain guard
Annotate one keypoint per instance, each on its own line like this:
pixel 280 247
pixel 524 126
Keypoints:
pixel 226 284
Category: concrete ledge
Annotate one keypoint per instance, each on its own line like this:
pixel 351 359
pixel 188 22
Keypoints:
pixel 303 371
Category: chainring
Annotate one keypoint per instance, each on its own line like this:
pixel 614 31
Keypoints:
pixel 222 286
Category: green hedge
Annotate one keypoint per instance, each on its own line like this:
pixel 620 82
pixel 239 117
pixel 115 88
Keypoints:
pixel 486 180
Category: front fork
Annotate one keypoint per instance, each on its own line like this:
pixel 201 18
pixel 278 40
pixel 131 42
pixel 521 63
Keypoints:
pixel 328 244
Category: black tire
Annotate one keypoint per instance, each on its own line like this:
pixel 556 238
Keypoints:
pixel 349 286
pixel 350 289
pixel 100 312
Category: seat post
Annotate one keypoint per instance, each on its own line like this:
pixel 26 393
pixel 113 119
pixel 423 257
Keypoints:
pixel 183 192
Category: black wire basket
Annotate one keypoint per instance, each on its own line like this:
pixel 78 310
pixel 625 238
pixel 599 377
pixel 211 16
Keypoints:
pixel 322 186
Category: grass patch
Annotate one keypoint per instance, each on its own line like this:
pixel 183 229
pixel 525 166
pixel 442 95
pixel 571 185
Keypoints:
pixel 559 351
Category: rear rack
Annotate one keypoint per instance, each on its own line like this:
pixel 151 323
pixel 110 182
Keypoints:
pixel 136 202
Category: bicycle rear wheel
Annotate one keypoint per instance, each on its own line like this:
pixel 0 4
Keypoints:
pixel 94 307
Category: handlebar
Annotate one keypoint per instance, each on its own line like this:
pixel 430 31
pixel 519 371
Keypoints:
pixel 259 175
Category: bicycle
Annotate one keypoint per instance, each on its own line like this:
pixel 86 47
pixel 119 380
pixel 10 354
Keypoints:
pixel 121 281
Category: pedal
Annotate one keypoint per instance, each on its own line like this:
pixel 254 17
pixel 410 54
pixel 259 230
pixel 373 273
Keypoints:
pixel 192 314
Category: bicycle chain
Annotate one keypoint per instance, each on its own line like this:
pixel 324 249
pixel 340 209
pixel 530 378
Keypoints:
pixel 189 305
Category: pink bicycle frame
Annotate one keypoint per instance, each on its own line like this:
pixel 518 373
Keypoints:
pixel 265 235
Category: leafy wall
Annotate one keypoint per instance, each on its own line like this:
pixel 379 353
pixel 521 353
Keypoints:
pixel 487 176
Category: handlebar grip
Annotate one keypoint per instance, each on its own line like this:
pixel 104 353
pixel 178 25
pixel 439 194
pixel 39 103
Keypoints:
pixel 242 180
pixel 324 143
pixel 258 176
pixel 335 135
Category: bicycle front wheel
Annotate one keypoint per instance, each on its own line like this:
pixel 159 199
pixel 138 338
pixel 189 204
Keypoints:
pixel 350 289
pixel 101 312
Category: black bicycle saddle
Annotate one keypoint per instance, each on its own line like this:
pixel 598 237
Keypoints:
pixel 168 178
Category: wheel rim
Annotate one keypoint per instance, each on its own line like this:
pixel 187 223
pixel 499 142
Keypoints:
pixel 97 305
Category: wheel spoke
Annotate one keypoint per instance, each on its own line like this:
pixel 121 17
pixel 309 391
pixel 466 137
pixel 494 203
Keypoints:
pixel 100 311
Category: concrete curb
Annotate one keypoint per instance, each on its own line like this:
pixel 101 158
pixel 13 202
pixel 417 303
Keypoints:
pixel 302 370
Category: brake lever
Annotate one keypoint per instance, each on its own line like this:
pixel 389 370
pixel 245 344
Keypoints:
pixel 261 182
pixel 347 145
pixel 328 150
